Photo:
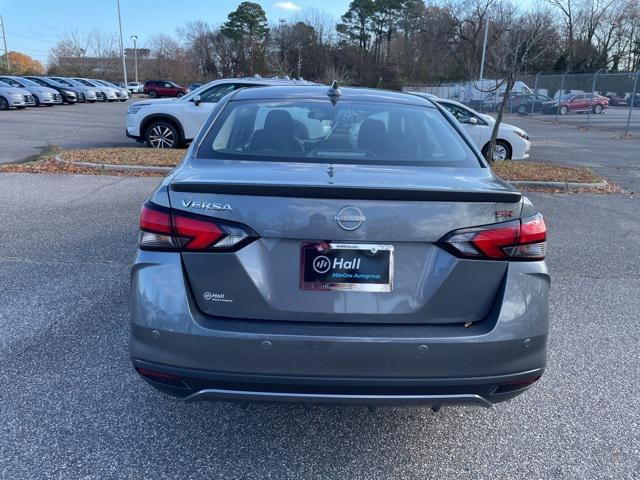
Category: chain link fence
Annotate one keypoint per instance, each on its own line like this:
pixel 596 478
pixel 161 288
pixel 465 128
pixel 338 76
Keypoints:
pixel 608 101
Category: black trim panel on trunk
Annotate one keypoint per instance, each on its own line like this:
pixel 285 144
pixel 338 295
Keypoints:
pixel 347 192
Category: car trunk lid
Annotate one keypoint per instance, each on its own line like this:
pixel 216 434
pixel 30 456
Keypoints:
pixel 400 212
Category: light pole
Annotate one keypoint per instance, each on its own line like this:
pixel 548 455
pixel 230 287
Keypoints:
pixel 4 39
pixel 484 50
pixel 124 63
pixel 135 54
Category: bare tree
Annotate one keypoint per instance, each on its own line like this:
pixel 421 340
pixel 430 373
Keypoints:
pixel 518 40
pixel 468 22
pixel 168 56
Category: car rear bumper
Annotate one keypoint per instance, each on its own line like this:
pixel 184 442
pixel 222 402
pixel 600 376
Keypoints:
pixel 220 358
pixel 198 385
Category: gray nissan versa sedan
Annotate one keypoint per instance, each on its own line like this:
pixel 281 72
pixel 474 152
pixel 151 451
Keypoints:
pixel 338 246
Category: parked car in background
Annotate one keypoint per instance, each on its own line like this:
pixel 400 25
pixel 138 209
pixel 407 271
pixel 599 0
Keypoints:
pixel 169 123
pixel 41 95
pixel 70 94
pixel 492 101
pixel 163 88
pixel 193 86
pixel 576 103
pixel 524 103
pixel 88 94
pixel 512 142
pixel 105 94
pixel 629 98
pixel 327 246
pixel 123 92
pixel 12 97
pixel 135 87
pixel 616 100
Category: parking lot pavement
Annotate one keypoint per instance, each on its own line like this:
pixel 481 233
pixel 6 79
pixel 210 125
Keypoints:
pixel 72 407
pixel 25 133
pixel 613 119
pixel 607 153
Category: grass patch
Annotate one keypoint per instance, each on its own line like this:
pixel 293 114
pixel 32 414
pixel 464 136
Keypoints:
pixel 543 172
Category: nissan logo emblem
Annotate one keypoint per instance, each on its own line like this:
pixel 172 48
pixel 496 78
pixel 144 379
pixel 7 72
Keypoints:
pixel 350 218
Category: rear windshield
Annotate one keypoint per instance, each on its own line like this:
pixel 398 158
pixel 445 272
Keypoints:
pixel 347 132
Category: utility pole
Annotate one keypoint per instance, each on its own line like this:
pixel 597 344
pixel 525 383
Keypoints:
pixel 299 61
pixel 135 54
pixel 4 39
pixel 484 50
pixel 124 63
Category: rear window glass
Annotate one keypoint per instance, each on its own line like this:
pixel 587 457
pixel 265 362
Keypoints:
pixel 347 132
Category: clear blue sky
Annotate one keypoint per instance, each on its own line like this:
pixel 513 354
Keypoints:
pixel 34 26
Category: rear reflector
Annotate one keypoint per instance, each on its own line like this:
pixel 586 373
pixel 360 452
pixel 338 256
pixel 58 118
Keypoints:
pixel 519 385
pixel 163 378
pixel 162 228
pixel 523 239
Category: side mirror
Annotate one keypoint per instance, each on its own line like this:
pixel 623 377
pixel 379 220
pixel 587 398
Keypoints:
pixel 472 121
pixel 197 100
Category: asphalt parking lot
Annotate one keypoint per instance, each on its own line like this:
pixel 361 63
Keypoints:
pixel 608 153
pixel 26 133
pixel 72 407
pixel 613 119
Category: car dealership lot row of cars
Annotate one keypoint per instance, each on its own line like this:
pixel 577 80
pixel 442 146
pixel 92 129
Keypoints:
pixel 18 92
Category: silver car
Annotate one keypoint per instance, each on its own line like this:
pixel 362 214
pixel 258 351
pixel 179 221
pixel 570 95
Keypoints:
pixel 105 94
pixel 338 246
pixel 123 93
pixel 11 97
pixel 87 94
pixel 41 95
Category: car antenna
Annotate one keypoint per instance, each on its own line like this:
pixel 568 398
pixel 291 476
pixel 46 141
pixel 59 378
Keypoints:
pixel 334 92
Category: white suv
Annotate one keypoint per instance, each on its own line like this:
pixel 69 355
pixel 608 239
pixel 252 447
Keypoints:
pixel 174 122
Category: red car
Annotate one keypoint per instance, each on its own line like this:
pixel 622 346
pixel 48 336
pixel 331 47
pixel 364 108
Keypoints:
pixel 163 88
pixel 576 102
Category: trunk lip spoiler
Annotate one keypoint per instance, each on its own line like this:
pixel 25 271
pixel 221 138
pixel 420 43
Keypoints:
pixel 348 192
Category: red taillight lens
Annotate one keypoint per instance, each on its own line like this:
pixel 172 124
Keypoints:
pixel 155 220
pixel 523 239
pixel 155 228
pixel 199 234
pixel 165 229
pixel 492 243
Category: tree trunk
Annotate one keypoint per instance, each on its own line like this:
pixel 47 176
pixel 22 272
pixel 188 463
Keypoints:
pixel 496 126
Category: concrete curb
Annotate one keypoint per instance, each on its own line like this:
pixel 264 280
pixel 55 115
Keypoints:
pixel 118 168
pixel 564 186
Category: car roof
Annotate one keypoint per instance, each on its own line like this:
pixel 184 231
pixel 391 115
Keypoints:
pixel 319 92
pixel 454 102
pixel 430 96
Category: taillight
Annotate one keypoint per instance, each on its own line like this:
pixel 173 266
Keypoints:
pixel 162 228
pixel 523 239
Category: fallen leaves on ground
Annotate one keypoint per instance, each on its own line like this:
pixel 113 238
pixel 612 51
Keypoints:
pixel 149 157
pixel 46 164
pixel 509 169
pixel 543 172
